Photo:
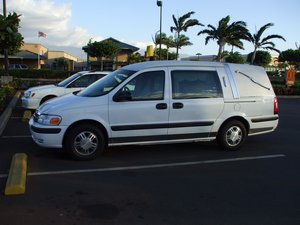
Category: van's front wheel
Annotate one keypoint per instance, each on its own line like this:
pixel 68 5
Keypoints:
pixel 232 135
pixel 84 142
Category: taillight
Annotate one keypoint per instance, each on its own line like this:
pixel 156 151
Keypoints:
pixel 275 105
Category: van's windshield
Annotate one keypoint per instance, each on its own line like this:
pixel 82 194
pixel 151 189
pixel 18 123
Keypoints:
pixel 106 84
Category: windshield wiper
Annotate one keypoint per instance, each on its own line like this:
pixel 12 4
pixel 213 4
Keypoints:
pixel 252 79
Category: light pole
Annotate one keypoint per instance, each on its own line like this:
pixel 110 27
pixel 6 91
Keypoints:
pixel 5 50
pixel 159 4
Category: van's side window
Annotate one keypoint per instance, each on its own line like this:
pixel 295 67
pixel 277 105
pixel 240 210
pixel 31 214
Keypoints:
pixel 189 84
pixel 147 86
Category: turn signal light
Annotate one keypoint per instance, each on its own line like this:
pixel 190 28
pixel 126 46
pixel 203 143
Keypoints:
pixel 54 121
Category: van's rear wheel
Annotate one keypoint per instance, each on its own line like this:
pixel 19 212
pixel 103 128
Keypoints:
pixel 85 142
pixel 232 135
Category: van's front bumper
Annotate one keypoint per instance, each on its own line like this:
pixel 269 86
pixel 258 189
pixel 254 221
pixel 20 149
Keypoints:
pixel 47 136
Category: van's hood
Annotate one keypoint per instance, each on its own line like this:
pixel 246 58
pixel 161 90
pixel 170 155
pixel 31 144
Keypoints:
pixel 70 102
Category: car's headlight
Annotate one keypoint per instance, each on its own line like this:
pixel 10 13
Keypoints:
pixel 28 94
pixel 49 120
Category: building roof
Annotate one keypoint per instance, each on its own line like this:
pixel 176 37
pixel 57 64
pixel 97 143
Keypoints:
pixel 123 45
pixel 24 54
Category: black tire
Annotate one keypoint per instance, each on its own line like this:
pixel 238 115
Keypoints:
pixel 232 135
pixel 84 142
pixel 47 98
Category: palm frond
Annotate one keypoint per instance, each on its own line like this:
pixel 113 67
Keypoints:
pixel 185 17
pixel 269 37
pixel 191 23
pixel 262 30
pixel 267 44
pixel 272 49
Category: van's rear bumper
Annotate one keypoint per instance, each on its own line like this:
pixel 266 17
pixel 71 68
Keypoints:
pixel 266 124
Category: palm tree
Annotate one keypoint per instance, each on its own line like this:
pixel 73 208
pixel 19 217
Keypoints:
pixel 226 33
pixel 181 25
pixel 259 42
pixel 156 41
pixel 180 42
pixel 169 43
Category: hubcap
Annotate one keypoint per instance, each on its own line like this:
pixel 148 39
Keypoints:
pixel 234 136
pixel 86 143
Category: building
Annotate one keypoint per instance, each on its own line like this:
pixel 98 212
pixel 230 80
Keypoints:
pixel 37 56
pixel 120 60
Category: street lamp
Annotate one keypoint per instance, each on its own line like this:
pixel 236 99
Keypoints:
pixel 159 4
pixel 5 50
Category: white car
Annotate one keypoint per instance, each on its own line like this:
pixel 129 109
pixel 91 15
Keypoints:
pixel 160 102
pixel 35 96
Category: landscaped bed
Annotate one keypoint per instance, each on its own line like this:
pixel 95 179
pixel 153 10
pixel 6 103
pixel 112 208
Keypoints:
pixel 7 92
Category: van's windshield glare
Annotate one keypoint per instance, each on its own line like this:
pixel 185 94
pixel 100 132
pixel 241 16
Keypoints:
pixel 106 84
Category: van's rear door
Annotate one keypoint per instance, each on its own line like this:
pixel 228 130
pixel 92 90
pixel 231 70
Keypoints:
pixel 196 101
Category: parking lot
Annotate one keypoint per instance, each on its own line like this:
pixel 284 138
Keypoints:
pixel 164 184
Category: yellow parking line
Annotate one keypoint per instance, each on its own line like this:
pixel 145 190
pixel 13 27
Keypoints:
pixel 16 181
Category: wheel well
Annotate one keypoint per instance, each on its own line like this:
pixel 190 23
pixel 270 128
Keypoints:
pixel 93 122
pixel 47 97
pixel 238 118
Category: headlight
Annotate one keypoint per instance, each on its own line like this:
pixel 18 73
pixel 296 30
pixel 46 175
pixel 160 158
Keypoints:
pixel 45 119
pixel 28 94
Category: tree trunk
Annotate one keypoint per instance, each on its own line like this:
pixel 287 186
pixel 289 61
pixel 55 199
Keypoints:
pixel 253 56
pixel 101 62
pixel 219 57
pixel 167 53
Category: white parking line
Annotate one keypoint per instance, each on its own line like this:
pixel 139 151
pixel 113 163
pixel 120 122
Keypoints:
pixel 151 166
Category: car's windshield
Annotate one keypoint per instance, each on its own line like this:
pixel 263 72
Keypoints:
pixel 106 84
pixel 69 79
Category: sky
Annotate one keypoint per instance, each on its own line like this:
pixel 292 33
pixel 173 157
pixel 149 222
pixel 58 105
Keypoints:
pixel 70 24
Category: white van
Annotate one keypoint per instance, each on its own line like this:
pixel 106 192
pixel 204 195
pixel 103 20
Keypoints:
pixel 160 102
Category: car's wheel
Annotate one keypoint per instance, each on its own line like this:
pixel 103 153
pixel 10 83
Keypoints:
pixel 84 142
pixel 232 135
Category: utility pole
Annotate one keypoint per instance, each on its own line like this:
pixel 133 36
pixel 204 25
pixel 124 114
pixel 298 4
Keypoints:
pixel 5 50
pixel 160 4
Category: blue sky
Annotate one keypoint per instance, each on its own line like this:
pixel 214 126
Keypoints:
pixel 69 24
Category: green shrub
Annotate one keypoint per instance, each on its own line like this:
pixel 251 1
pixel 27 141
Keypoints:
pixel 43 73
pixel 5 91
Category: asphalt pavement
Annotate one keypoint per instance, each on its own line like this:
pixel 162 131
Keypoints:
pixel 194 183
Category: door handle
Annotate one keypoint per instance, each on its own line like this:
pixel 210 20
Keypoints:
pixel 161 106
pixel 177 105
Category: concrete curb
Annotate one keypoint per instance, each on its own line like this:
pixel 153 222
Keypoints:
pixel 289 96
pixel 7 112
pixel 16 181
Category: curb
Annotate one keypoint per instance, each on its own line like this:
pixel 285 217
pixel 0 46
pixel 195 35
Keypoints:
pixel 7 112
pixel 289 96
pixel 16 181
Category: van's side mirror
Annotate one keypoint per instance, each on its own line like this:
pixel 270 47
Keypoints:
pixel 122 96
